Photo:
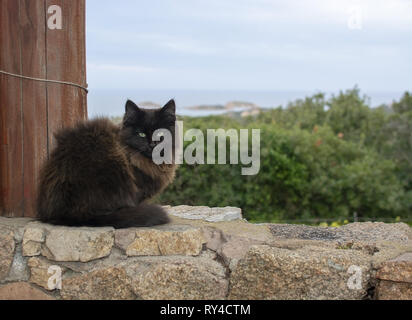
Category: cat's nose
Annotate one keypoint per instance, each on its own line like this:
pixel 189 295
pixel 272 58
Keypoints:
pixel 152 144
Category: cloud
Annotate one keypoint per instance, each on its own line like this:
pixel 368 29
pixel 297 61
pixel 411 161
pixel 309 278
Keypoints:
pixel 395 12
pixel 238 44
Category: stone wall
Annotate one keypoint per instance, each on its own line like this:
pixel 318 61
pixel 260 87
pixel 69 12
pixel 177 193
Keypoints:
pixel 205 253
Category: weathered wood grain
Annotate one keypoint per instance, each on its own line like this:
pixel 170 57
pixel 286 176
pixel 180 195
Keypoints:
pixel 66 61
pixel 35 150
pixel 11 121
pixel 31 112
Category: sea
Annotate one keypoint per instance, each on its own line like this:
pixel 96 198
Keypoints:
pixel 110 102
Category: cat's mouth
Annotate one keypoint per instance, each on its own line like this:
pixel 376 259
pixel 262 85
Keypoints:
pixel 148 153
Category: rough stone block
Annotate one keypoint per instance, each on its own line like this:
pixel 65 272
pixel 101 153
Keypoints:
pixel 166 240
pixel 7 247
pixel 39 272
pixel 359 231
pixel 206 213
pixel 398 269
pixel 105 284
pixel 77 244
pixel 305 273
pixel 22 291
pixel 391 290
pixel 181 278
pixel 33 238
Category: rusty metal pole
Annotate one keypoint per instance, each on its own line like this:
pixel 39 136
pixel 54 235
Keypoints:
pixel 40 39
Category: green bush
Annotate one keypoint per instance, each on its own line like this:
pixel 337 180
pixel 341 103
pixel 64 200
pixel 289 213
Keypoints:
pixel 315 163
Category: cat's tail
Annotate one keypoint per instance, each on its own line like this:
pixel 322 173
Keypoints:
pixel 144 215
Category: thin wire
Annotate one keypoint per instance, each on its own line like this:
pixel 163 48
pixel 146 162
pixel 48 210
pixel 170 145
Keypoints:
pixel 45 80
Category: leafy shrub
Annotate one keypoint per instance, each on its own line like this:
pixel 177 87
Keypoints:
pixel 316 162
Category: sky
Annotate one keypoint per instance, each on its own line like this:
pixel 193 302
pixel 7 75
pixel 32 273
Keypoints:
pixel 324 45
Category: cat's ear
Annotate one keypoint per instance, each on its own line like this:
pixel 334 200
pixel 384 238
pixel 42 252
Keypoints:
pixel 169 107
pixel 131 107
pixel 132 111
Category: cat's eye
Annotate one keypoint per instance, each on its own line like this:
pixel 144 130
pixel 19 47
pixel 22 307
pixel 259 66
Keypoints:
pixel 160 134
pixel 142 134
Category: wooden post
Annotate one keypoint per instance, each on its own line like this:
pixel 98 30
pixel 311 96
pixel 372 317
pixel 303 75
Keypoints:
pixel 31 111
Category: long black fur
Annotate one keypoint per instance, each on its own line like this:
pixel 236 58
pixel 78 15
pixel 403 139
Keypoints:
pixel 100 174
pixel 143 215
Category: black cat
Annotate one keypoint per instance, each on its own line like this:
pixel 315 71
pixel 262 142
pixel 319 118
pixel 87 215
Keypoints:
pixel 101 174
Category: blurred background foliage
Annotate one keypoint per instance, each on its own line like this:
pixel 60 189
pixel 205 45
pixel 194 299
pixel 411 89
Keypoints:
pixel 323 160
